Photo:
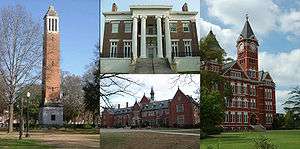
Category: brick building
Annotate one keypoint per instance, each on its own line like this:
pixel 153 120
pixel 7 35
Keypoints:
pixel 181 110
pixel 253 101
pixel 51 111
pixel 148 35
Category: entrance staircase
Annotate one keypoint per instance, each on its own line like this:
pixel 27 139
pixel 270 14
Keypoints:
pixel 151 66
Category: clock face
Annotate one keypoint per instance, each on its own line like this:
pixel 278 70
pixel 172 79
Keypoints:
pixel 241 47
pixel 253 47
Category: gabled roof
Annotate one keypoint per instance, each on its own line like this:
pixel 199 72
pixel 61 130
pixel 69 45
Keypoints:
pixel 213 43
pixel 229 65
pixel 156 105
pixel 122 110
pixel 262 75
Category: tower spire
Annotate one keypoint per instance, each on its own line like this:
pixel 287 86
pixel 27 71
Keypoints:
pixel 247 17
pixel 152 93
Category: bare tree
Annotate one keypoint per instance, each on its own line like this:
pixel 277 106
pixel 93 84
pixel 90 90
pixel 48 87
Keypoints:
pixel 20 47
pixel 72 96
pixel 116 84
pixel 187 79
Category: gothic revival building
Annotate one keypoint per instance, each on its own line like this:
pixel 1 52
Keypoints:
pixel 51 111
pixel 182 110
pixel 147 36
pixel 253 100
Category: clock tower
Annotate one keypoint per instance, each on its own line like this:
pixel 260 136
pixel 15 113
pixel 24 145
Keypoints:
pixel 247 51
pixel 51 111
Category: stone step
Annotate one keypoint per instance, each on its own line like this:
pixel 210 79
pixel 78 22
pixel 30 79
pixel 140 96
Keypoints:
pixel 151 66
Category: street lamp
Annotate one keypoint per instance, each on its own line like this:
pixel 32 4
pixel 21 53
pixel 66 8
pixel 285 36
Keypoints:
pixel 27 115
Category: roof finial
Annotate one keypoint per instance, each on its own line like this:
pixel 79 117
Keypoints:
pixel 247 17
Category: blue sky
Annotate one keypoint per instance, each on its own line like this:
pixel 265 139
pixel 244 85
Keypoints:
pixel 276 24
pixel 79 28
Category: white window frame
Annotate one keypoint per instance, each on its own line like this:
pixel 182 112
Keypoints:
pixel 188 47
pixel 186 24
pixel 114 27
pixel 174 45
pixel 173 25
pixel 113 48
pixel 245 117
pixel 127 48
pixel 127 27
pixel 179 108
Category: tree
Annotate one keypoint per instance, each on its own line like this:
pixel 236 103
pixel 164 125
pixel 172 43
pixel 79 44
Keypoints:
pixel 20 47
pixel 289 120
pixel 72 89
pixel 293 102
pixel 92 92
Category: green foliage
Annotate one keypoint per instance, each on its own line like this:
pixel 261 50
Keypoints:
pixel 289 120
pixel 278 122
pixel 211 110
pixel 34 101
pixel 263 142
pixel 210 49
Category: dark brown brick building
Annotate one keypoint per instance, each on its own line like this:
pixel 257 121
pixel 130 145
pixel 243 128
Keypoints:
pixel 149 32
pixel 253 102
pixel 181 110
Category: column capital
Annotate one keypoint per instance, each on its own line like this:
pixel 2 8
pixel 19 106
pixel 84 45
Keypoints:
pixel 166 17
pixel 143 16
pixel 158 16
pixel 134 17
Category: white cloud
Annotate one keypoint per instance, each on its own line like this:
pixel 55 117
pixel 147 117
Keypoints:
pixel 226 37
pixel 290 22
pixel 283 66
pixel 232 12
pixel 281 96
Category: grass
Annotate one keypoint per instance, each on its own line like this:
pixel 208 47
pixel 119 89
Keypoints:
pixel 284 139
pixel 22 144
pixel 147 140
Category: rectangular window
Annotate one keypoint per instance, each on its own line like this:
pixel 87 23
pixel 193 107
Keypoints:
pixel 226 117
pixel 115 28
pixel 127 48
pixel 113 49
pixel 175 48
pixel 127 27
pixel 52 117
pixel 173 27
pixel 239 117
pixel 188 48
pixel 180 119
pixel 245 117
pixel 179 108
pixel 186 27
pixel 236 74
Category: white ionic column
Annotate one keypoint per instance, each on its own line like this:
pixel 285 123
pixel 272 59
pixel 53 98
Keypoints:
pixel 168 39
pixel 134 37
pixel 159 37
pixel 143 36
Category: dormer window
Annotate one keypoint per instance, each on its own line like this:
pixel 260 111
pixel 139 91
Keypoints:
pixel 236 74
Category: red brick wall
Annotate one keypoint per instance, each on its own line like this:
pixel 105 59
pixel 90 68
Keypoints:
pixel 51 67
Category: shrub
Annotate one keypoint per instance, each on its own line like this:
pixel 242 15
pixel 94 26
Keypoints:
pixel 263 142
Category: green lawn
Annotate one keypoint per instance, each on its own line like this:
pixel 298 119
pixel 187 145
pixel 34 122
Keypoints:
pixel 284 139
pixel 21 144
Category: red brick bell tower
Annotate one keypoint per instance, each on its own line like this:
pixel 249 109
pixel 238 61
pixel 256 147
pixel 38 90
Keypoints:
pixel 247 50
pixel 51 60
pixel 51 111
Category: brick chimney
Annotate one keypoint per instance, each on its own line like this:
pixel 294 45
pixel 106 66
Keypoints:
pixel 126 104
pixel 185 7
pixel 118 106
pixel 114 7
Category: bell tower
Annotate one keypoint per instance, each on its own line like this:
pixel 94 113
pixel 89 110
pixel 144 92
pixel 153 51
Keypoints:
pixel 51 108
pixel 247 50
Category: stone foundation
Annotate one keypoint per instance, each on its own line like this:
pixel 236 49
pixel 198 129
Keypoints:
pixel 51 115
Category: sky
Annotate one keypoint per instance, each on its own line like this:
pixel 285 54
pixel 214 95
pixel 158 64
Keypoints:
pixel 123 5
pixel 164 86
pixel 79 28
pixel 276 24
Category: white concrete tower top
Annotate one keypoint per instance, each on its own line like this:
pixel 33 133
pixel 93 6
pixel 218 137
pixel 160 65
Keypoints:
pixel 51 21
